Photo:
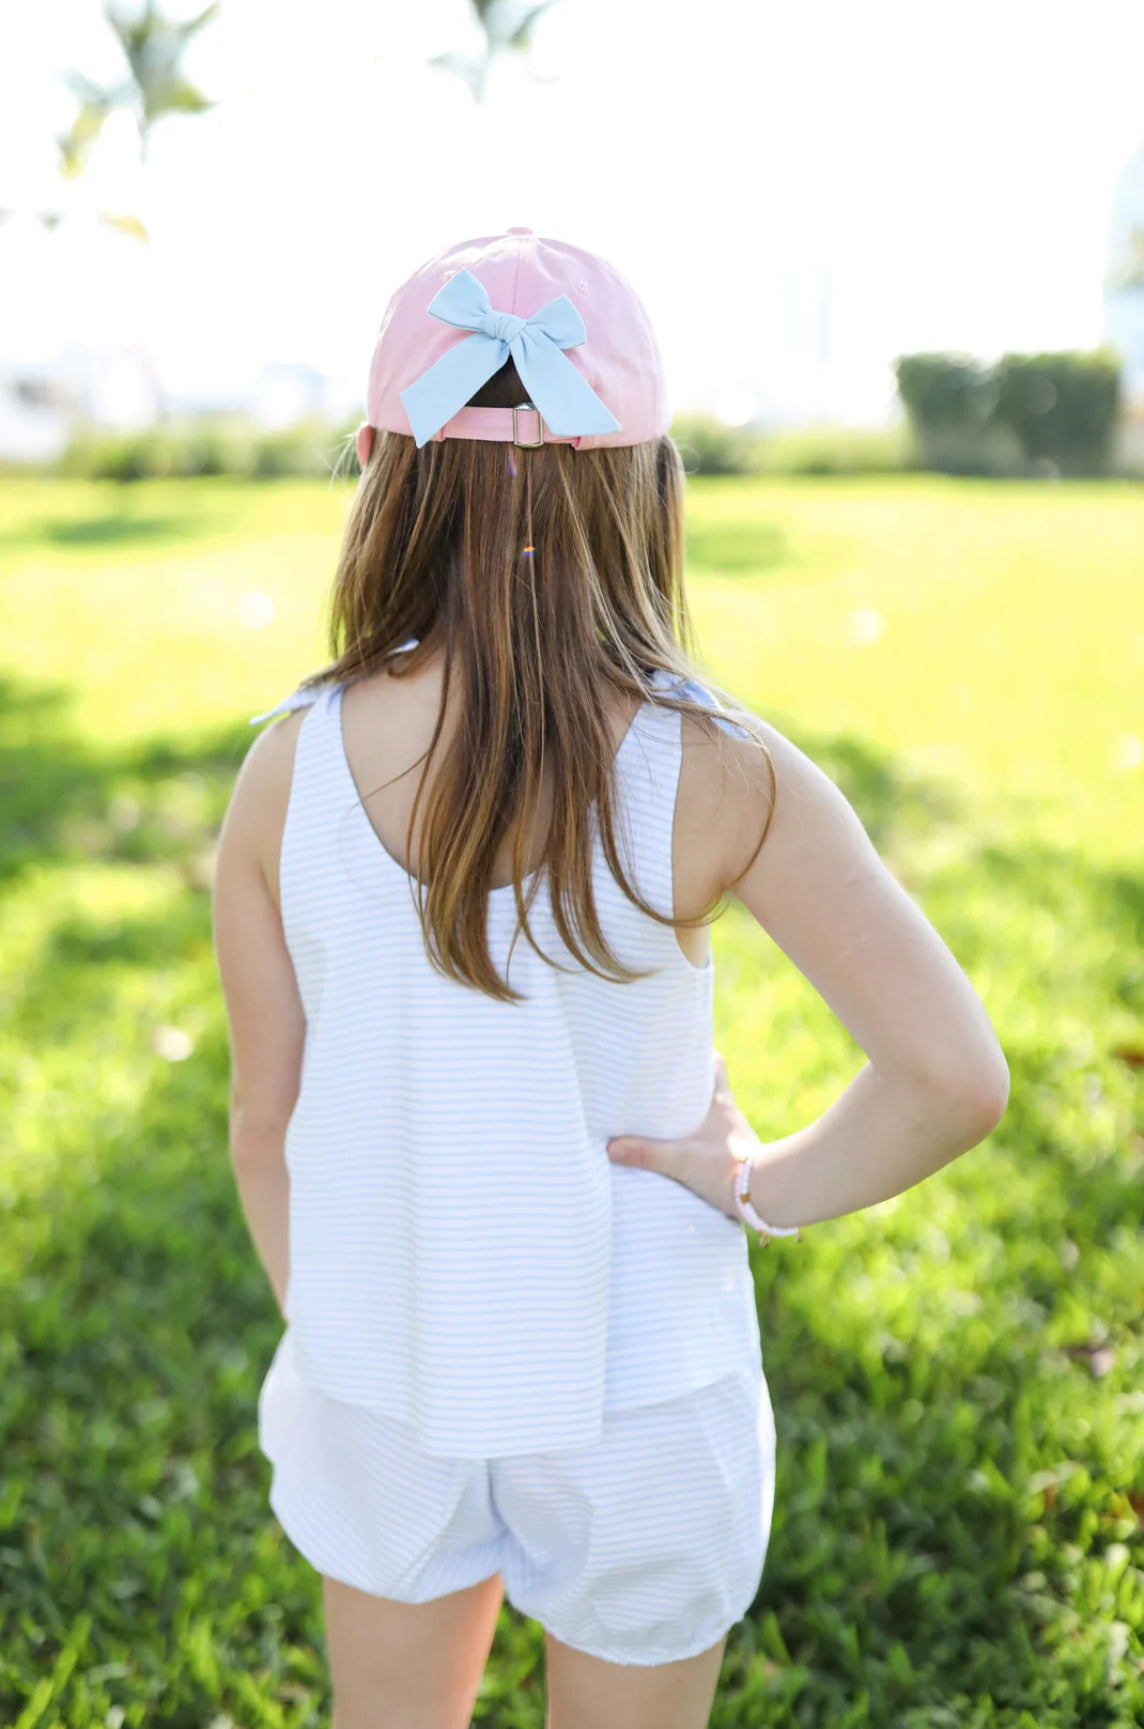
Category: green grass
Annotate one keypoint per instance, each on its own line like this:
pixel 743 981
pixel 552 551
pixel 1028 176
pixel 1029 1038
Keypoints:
pixel 957 1375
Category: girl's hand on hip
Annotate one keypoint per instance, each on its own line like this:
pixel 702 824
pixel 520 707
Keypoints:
pixel 707 1160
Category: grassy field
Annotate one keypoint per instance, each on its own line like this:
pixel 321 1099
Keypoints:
pixel 958 1375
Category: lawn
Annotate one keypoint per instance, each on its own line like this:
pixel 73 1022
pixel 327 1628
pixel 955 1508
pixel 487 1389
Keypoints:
pixel 957 1375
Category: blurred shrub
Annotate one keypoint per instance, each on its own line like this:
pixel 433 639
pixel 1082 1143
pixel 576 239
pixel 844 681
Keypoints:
pixel 1063 408
pixel 215 445
pixel 837 450
pixel 709 446
pixel 950 401
pixel 1028 414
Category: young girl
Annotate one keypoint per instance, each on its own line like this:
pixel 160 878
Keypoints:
pixel 485 1149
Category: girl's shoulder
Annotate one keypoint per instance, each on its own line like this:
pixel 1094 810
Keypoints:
pixel 305 696
pixel 726 789
pixel 255 817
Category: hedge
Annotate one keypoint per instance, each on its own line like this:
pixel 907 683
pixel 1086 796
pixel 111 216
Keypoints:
pixel 1053 413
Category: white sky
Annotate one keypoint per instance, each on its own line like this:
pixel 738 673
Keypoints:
pixel 951 165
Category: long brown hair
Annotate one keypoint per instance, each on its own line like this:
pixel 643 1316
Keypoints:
pixel 552 578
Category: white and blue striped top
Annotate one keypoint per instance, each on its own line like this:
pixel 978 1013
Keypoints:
pixel 463 1254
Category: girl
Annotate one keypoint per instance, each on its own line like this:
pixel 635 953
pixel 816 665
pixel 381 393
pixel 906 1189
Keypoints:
pixel 486 1152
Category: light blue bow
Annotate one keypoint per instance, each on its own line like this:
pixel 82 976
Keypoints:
pixel 567 402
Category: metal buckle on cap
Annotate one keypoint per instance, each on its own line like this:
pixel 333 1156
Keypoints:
pixel 527 443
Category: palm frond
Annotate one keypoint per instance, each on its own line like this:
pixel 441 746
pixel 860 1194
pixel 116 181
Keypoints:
pixel 191 26
pixel 522 34
pixel 474 72
pixel 75 144
pixel 124 223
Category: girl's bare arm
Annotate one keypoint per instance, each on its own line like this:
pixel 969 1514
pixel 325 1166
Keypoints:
pixel 935 1082
pixel 264 1011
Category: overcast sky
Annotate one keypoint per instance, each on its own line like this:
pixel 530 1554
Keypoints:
pixel 950 167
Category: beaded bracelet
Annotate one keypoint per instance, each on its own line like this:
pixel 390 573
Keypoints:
pixel 747 1211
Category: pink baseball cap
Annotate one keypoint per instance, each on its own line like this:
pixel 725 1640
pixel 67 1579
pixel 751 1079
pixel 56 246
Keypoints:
pixel 579 334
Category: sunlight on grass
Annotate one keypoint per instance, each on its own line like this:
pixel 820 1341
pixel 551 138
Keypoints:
pixel 956 1374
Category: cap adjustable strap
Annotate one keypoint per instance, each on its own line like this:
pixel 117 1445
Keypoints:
pixel 521 425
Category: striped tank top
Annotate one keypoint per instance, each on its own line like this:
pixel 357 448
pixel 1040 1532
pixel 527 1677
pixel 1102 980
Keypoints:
pixel 464 1256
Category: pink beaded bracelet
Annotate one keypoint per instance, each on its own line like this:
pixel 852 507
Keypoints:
pixel 747 1211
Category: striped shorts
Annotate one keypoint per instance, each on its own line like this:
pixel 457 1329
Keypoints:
pixel 645 1548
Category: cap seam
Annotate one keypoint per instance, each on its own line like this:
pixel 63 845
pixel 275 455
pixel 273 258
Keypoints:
pixel 519 238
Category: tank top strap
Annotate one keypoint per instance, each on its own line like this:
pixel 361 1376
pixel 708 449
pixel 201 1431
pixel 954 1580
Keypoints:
pixel 297 699
pixel 699 693
pixel 648 767
pixel 313 694
pixel 650 762
pixel 321 784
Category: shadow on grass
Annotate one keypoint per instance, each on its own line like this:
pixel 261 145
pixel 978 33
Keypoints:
pixel 114 528
pixel 64 801
pixel 738 548
pixel 137 1324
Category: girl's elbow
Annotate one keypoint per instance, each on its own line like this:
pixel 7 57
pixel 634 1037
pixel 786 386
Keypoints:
pixel 979 1097
pixel 257 1137
pixel 992 1090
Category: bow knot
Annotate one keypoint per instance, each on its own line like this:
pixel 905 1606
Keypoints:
pixel 505 326
pixel 561 393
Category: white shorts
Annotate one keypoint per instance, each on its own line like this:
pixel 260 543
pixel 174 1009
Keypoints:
pixel 645 1548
